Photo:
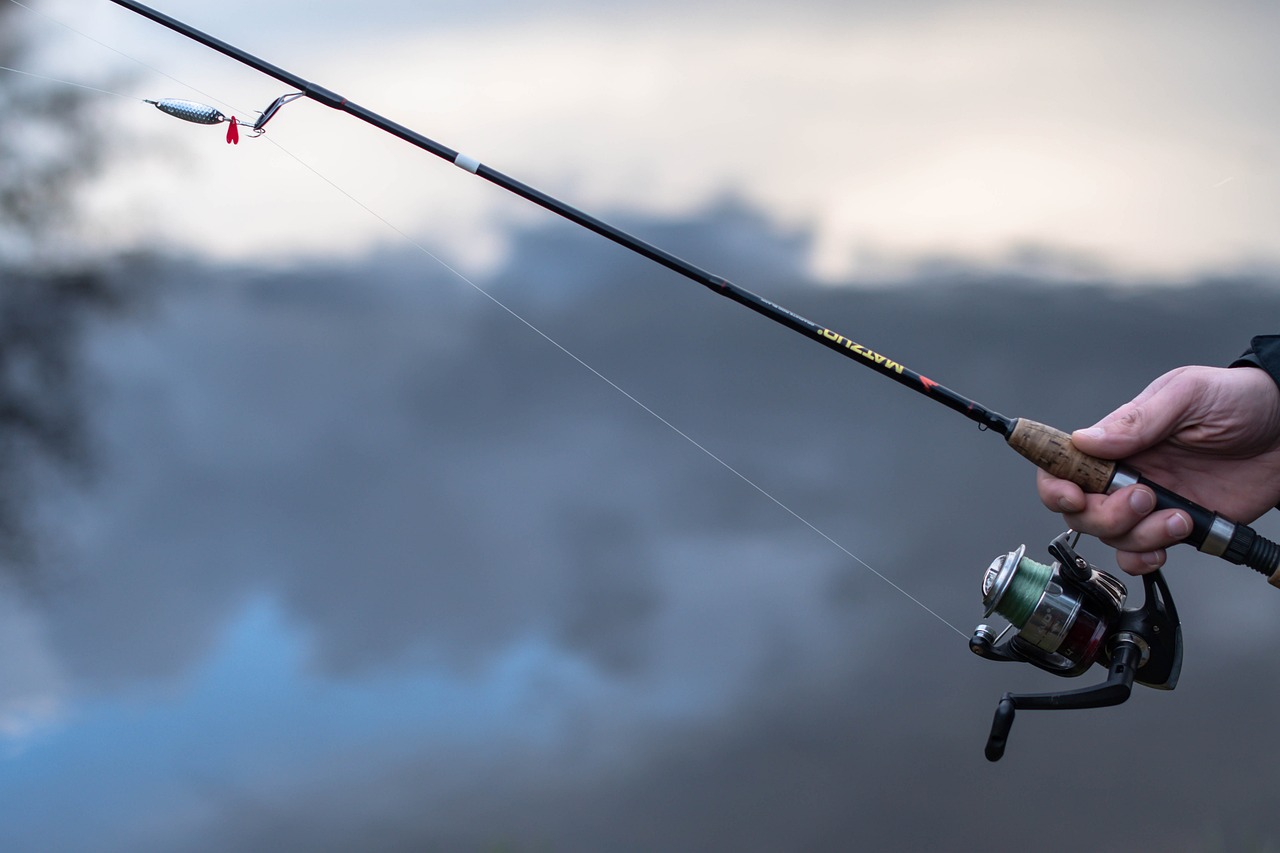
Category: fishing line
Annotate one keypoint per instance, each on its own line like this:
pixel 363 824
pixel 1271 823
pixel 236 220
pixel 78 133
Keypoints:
pixel 533 328
pixel 69 83
pixel 115 50
pixel 615 386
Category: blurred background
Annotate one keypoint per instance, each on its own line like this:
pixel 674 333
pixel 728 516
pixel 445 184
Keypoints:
pixel 307 543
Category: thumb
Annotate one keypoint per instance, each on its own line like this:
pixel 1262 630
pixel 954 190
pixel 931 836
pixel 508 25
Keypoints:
pixel 1149 419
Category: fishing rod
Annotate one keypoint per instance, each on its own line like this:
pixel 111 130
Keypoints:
pixel 1063 617
pixel 1050 449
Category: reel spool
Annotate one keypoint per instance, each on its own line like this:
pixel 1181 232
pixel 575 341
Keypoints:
pixel 1065 617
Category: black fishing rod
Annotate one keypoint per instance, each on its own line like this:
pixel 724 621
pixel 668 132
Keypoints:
pixel 1049 448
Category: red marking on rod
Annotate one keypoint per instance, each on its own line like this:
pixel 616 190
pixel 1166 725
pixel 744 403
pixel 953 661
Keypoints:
pixel 928 384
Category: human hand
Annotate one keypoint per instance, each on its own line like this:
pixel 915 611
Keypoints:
pixel 1210 434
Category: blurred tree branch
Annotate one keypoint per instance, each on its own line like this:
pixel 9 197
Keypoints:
pixel 50 148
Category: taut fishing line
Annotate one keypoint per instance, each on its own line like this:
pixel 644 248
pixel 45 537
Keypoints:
pixel 615 386
pixel 69 82
pixel 503 306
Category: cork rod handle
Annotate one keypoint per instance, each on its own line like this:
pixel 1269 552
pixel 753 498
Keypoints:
pixel 1052 450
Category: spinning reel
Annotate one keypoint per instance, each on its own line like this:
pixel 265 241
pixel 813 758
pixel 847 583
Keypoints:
pixel 1068 616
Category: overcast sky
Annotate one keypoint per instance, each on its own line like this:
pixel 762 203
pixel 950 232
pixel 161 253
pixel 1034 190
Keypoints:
pixel 365 563
pixel 1133 137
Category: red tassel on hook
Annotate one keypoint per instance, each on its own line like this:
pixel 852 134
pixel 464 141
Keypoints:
pixel 233 132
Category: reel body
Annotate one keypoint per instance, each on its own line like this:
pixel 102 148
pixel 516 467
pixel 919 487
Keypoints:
pixel 1064 618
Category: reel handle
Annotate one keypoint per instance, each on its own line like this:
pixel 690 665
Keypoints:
pixel 1051 450
pixel 1125 661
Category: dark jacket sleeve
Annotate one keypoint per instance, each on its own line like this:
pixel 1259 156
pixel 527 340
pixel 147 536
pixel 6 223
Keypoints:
pixel 1264 352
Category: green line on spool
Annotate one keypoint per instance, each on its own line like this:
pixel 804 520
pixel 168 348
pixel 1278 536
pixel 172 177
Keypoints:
pixel 1023 593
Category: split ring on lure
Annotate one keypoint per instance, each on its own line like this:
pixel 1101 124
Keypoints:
pixel 198 113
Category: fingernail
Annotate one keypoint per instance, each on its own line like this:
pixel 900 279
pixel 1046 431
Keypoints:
pixel 1091 432
pixel 1142 501
pixel 1178 526
pixel 1154 559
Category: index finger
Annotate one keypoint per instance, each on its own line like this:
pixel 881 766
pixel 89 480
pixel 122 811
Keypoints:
pixel 1059 495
